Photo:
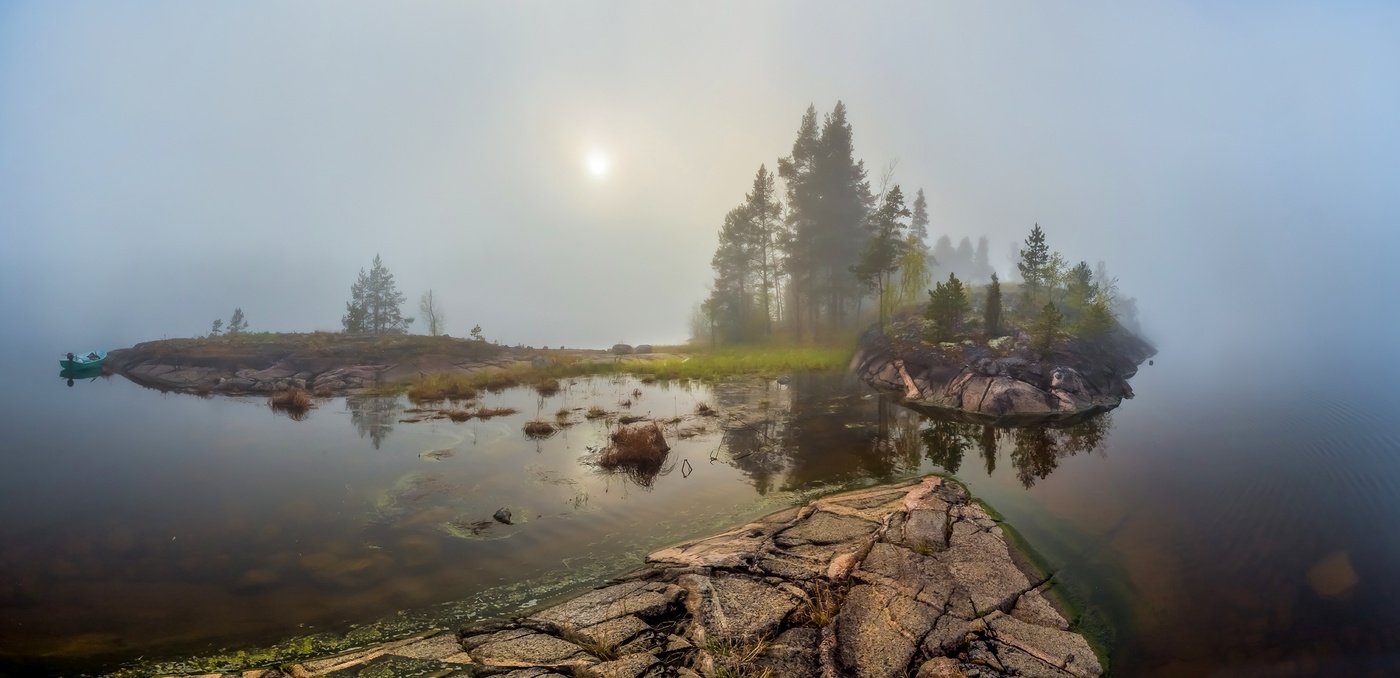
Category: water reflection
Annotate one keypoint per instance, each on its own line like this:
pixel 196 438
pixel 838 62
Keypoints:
pixel 1035 451
pixel 374 416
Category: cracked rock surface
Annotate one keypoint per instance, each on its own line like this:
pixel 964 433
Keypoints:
pixel 886 582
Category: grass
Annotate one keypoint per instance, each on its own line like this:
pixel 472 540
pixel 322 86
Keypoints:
pixel 490 412
pixel 548 387
pixel 742 651
pixel 734 672
pixel 595 412
pixel 822 607
pixel 437 387
pixel 601 650
pixel 767 362
pixel 539 429
pixel 635 446
pixel 295 402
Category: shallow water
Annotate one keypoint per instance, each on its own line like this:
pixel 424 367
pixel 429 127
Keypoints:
pixel 1236 529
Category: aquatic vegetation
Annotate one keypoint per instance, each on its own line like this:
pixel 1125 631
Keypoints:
pixel 638 451
pixel 294 402
pixel 436 455
pixel 703 409
pixel 492 412
pixel 548 387
pixel 595 412
pixel 539 429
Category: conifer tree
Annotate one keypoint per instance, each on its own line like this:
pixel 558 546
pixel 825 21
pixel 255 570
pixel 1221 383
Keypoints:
pixel 918 223
pixel 991 315
pixel 734 272
pixel 1047 326
pixel 1034 260
pixel 946 308
pixel 981 261
pixel 765 213
pixel 803 203
pixel 236 323
pixel 214 330
pixel 844 199
pixel 880 258
pixel 374 303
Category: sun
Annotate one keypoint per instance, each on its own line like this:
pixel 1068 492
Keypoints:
pixel 598 164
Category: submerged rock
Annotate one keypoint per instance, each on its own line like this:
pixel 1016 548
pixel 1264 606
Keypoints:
pixel 502 515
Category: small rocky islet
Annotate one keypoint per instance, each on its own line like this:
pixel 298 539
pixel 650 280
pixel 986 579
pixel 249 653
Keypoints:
pixel 912 579
pixel 1004 381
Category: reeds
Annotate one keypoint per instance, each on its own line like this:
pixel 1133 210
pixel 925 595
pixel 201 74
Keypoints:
pixel 438 387
pixel 539 429
pixel 294 402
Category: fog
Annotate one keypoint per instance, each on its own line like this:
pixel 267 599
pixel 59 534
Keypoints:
pixel 161 163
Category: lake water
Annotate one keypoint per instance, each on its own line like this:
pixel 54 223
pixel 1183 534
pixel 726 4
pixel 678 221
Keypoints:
pixel 1221 523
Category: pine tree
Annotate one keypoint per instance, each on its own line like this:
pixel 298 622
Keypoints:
pixel 803 202
pixel 1034 260
pixel 946 308
pixel 844 201
pixel 991 315
pixel 236 323
pixel 214 330
pixel 981 261
pixel 1080 290
pixel 943 254
pixel 1047 326
pixel 765 214
pixel 1098 320
pixel 734 272
pixel 374 303
pixel 918 224
pixel 476 334
pixel 880 258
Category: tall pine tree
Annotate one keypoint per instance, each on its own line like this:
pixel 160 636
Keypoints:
pixel 991 315
pixel 803 203
pixel 880 258
pixel 1035 260
pixel 765 214
pixel 918 223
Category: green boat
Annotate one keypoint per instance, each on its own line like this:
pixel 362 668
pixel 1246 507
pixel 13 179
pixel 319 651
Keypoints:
pixel 91 361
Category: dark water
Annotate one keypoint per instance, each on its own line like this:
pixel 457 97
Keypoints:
pixel 1221 523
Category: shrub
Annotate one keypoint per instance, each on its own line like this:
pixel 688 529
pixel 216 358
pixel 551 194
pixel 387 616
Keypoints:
pixel 295 402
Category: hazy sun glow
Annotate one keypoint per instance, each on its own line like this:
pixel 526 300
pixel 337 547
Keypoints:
pixel 597 163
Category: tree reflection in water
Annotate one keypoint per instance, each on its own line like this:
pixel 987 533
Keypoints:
pixel 1035 450
pixel 822 430
pixel 374 416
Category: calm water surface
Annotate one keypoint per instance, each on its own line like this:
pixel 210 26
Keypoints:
pixel 1214 525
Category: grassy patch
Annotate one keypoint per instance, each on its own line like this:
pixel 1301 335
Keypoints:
pixel 437 387
pixel 539 429
pixel 738 650
pixel 295 402
pixel 821 608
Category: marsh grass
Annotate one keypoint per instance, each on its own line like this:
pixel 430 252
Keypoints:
pixel 595 412
pixel 539 429
pixel 295 402
pixel 547 387
pixel 491 412
pixel 438 387
pixel 767 362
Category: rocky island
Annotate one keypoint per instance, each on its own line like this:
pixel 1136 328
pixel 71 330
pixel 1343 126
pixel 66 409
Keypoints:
pixel 326 363
pixel 1007 380
pixel 913 579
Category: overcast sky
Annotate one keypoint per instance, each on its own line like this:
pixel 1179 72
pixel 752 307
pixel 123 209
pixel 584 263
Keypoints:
pixel 1236 164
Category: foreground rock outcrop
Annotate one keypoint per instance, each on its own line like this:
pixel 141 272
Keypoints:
pixel 887 582
pixel 1005 381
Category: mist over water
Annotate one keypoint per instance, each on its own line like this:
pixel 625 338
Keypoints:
pixel 1233 166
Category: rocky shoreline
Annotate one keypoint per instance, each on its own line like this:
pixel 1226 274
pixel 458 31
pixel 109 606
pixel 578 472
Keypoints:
pixel 912 579
pixel 1003 382
pixel 325 364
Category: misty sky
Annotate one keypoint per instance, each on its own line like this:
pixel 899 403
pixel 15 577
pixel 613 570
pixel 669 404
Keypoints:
pixel 1236 164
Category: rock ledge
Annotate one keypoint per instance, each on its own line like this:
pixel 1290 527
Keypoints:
pixel 886 582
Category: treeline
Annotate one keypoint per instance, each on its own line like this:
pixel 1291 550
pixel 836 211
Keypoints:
pixel 1054 300
pixel 801 260
pixel 800 257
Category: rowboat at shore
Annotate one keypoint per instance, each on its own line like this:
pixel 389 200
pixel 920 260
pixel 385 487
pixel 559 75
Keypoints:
pixel 90 361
